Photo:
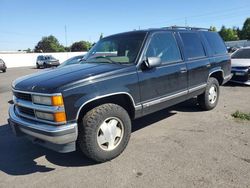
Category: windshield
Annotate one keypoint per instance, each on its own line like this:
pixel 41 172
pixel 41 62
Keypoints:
pixel 50 57
pixel 71 61
pixel 242 54
pixel 122 48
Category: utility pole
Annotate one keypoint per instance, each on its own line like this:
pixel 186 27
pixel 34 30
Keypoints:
pixel 66 38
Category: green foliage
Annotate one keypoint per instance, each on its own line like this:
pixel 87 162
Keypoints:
pixel 245 33
pixel 28 50
pixel 228 34
pixel 212 28
pixel 241 115
pixel 101 36
pixel 80 46
pixel 67 49
pixel 49 44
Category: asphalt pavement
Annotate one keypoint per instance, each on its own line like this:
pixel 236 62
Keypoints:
pixel 177 147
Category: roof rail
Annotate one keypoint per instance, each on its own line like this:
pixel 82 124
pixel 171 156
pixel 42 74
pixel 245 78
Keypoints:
pixel 186 28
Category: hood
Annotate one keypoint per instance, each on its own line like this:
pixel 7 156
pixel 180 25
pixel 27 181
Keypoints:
pixel 240 62
pixel 50 81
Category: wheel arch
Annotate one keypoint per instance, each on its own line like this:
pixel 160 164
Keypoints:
pixel 123 99
pixel 217 73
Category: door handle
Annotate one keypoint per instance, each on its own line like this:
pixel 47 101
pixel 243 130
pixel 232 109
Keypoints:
pixel 183 70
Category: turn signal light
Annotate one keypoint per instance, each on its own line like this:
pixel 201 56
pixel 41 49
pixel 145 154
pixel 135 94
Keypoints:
pixel 57 100
pixel 59 117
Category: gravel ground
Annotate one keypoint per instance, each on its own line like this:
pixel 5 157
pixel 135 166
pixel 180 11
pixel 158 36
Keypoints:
pixel 177 147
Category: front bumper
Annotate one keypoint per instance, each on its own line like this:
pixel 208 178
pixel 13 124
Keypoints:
pixel 59 138
pixel 227 78
pixel 241 75
pixel 51 64
pixel 2 67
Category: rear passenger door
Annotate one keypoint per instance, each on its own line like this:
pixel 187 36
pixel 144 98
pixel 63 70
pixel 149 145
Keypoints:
pixel 196 58
pixel 167 84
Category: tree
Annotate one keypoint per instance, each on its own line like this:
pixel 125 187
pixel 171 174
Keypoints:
pixel 101 36
pixel 28 50
pixel 67 49
pixel 212 28
pixel 238 31
pixel 245 33
pixel 80 46
pixel 49 44
pixel 228 34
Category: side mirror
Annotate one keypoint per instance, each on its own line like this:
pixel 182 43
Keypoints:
pixel 152 62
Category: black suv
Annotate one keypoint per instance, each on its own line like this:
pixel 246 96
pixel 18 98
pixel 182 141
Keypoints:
pixel 123 77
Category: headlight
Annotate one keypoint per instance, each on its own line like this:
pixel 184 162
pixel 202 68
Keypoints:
pixel 48 100
pixel 55 117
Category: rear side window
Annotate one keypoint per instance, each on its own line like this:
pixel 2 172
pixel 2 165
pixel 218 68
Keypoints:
pixel 163 45
pixel 192 45
pixel 215 42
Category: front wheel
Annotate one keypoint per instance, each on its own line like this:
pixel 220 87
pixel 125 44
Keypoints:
pixel 104 132
pixel 209 99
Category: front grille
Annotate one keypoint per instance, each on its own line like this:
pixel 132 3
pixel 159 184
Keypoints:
pixel 240 78
pixel 23 96
pixel 240 68
pixel 26 111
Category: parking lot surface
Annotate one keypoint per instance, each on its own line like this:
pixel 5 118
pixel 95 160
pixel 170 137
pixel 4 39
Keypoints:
pixel 178 147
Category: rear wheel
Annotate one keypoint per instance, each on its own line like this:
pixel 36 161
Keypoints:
pixel 4 70
pixel 37 66
pixel 104 132
pixel 209 99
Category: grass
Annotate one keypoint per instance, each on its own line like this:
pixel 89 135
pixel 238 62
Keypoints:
pixel 241 115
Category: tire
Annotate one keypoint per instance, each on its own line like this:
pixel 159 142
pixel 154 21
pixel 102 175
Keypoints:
pixel 91 132
pixel 37 66
pixel 44 65
pixel 209 99
pixel 4 70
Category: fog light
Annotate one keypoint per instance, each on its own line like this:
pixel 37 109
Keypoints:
pixel 45 116
pixel 55 117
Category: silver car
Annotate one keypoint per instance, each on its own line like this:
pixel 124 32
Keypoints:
pixel 46 61
pixel 241 66
pixel 2 66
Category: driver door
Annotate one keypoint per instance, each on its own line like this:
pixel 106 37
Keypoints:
pixel 166 84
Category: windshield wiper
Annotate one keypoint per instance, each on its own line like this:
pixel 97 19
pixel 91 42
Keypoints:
pixel 102 57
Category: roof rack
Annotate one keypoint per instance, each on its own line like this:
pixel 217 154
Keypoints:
pixel 186 28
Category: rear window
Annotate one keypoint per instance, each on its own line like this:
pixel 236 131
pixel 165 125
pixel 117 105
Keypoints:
pixel 215 42
pixel 192 45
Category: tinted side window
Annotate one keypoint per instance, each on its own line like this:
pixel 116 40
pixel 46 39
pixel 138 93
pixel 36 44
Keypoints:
pixel 163 45
pixel 215 42
pixel 192 45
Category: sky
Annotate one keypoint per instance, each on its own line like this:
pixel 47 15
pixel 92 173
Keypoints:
pixel 24 22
